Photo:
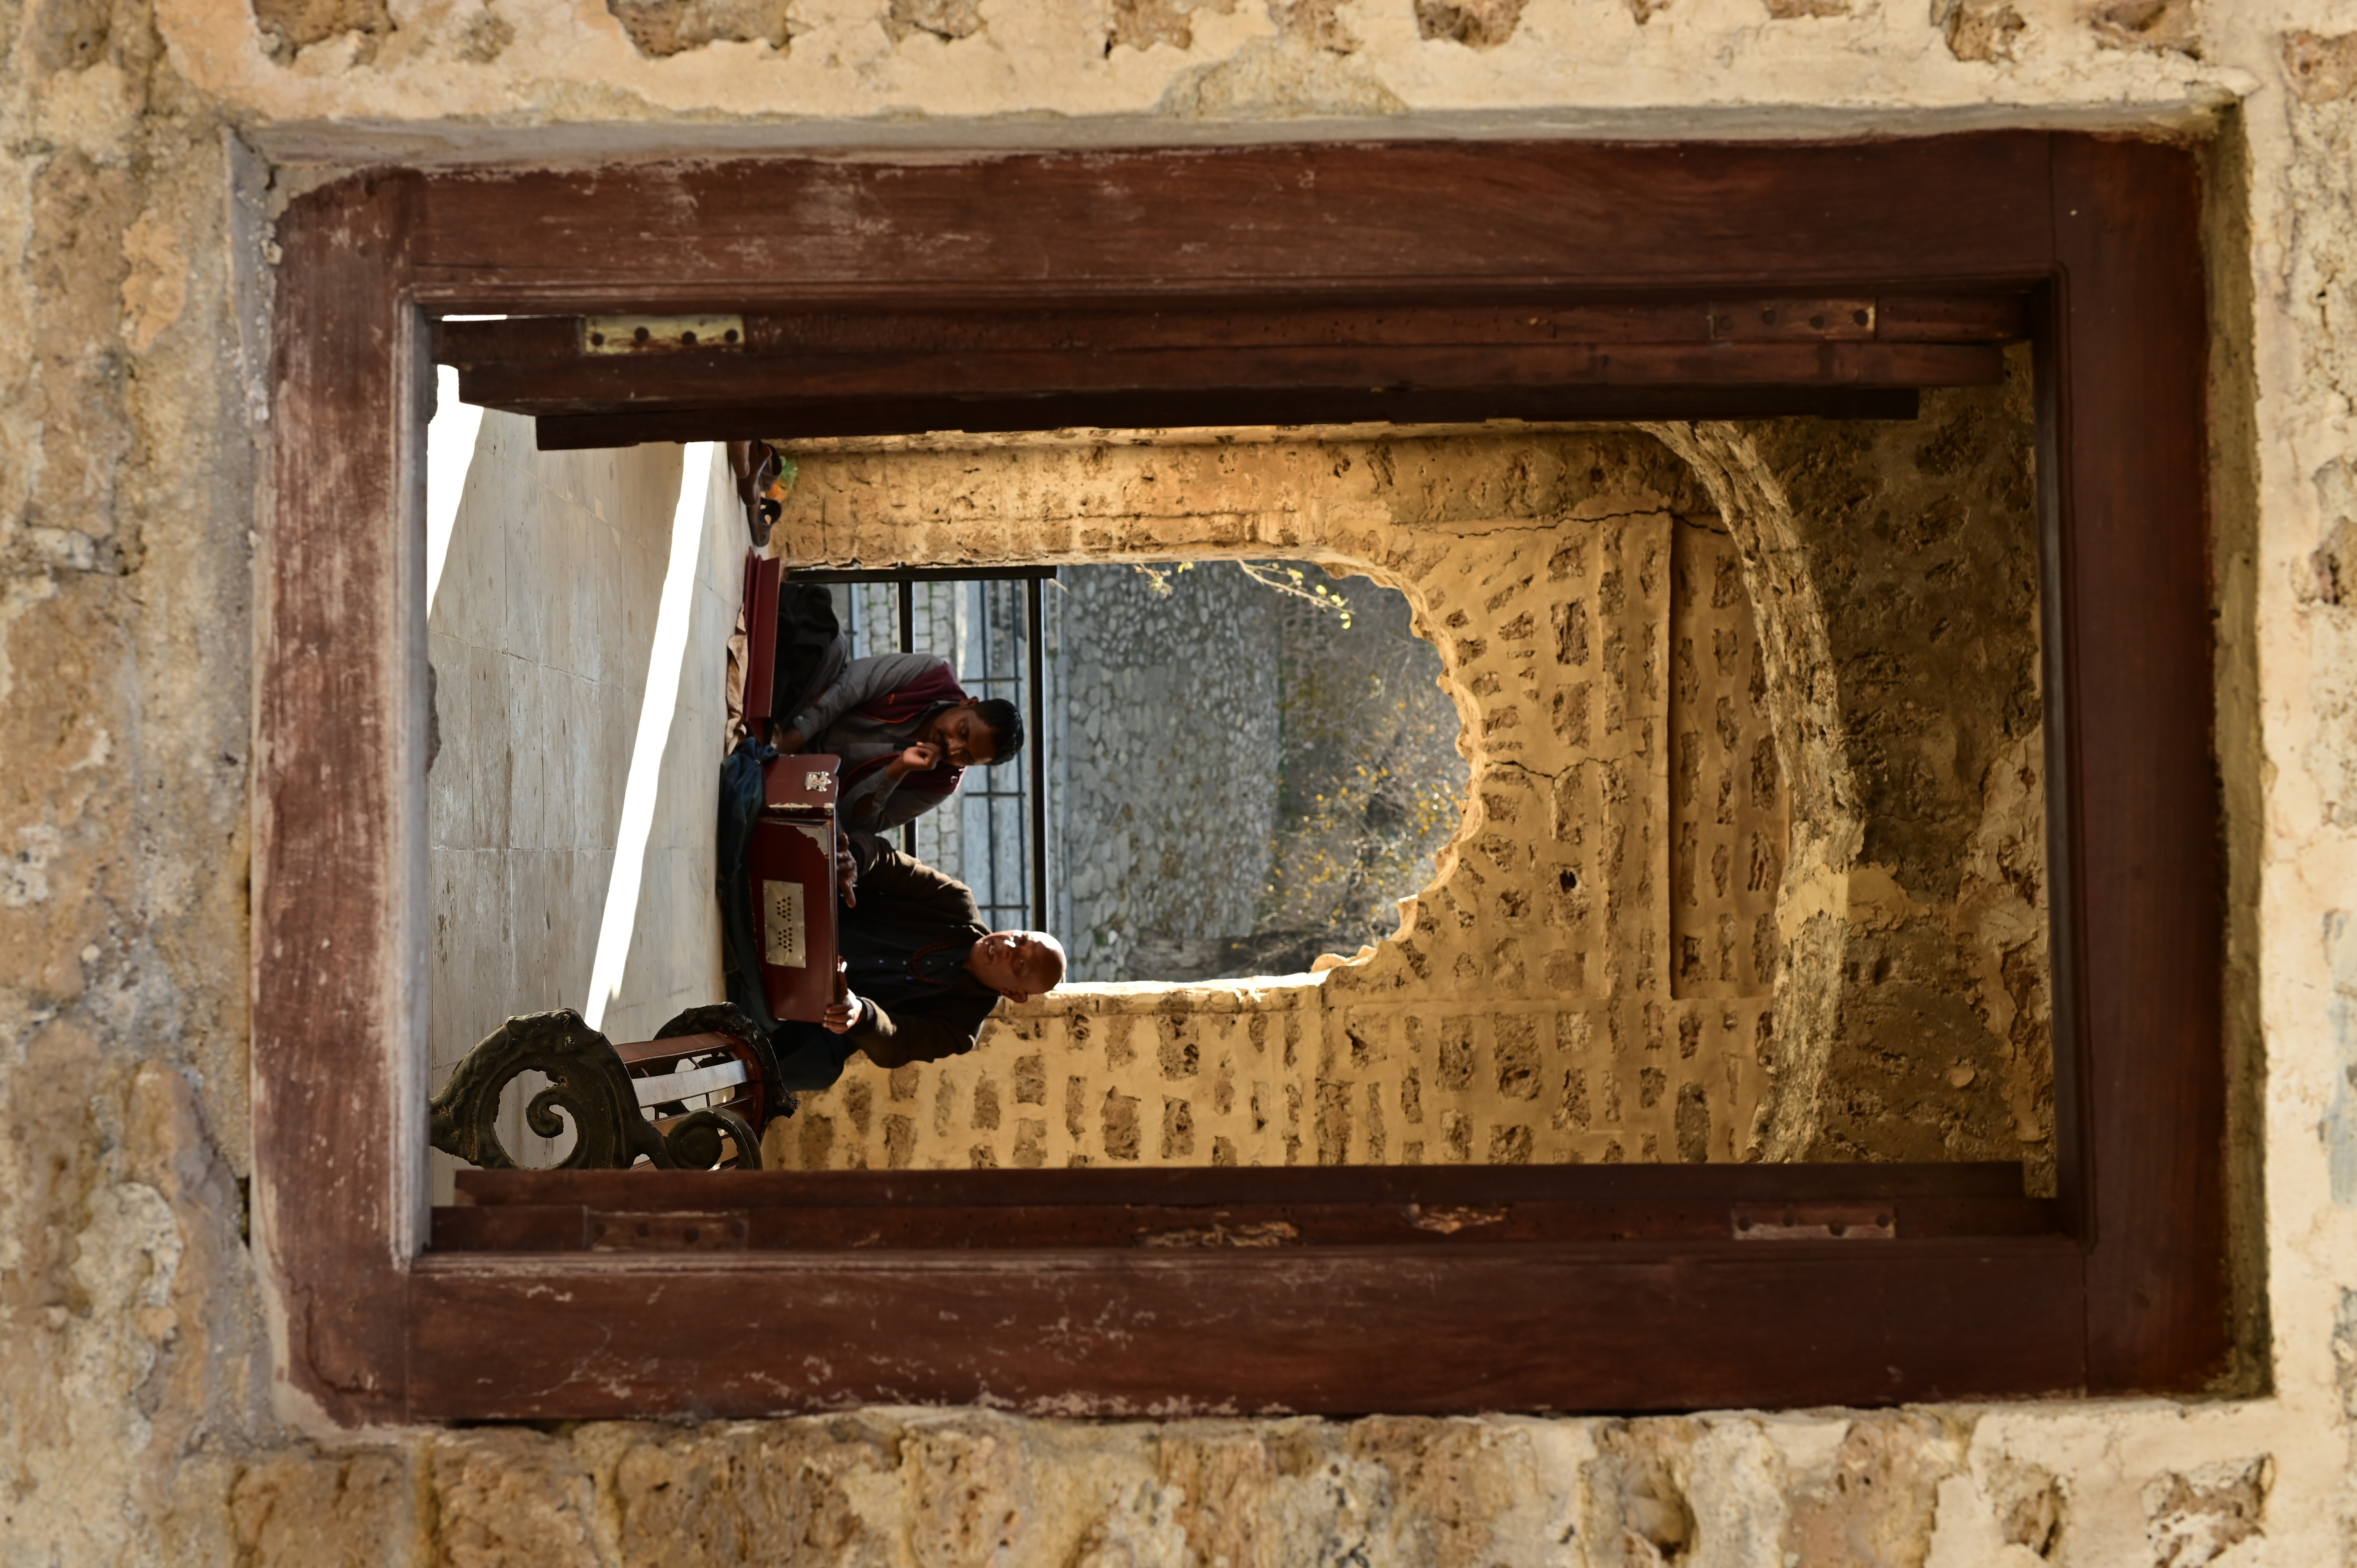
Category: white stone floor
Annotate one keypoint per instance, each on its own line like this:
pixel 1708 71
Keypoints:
pixel 543 625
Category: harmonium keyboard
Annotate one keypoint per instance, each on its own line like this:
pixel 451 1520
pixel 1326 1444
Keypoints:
pixel 792 861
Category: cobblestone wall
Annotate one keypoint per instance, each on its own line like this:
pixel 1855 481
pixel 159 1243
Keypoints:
pixel 1166 770
pixel 1243 777
pixel 1961 1488
pixel 1373 781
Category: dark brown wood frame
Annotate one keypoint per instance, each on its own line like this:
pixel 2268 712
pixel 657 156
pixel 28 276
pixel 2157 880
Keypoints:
pixel 2125 1293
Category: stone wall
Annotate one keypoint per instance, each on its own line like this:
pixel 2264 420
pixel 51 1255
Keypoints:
pixel 1966 1488
pixel 1899 566
pixel 135 1361
pixel 1242 777
pixel 1522 1012
pixel 1167 776
pixel 1373 783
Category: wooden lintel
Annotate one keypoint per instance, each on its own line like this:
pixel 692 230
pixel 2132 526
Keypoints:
pixel 678 382
pixel 1333 1331
pixel 1245 324
pixel 1210 408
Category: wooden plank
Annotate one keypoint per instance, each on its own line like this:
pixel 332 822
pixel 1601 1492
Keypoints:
pixel 612 385
pixel 635 1052
pixel 774 1227
pixel 338 857
pixel 1175 411
pixel 512 339
pixel 1177 1332
pixel 1290 1226
pixel 899 328
pixel 512 1227
pixel 687 1230
pixel 1178 1186
pixel 2143 808
pixel 1348 221
pixel 1790 319
pixel 1952 318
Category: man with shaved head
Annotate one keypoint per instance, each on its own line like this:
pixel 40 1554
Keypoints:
pixel 918 972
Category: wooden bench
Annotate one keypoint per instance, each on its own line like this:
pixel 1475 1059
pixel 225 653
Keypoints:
pixel 696 1097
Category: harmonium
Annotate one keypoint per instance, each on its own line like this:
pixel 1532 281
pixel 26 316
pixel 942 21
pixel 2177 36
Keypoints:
pixel 790 861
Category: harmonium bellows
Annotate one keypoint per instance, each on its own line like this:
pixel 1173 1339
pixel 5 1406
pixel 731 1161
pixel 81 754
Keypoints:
pixel 792 872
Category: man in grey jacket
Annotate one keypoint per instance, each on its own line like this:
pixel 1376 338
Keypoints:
pixel 905 731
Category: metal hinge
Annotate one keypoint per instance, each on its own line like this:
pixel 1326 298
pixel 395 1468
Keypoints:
pixel 1791 320
pixel 1813 1222
pixel 662 334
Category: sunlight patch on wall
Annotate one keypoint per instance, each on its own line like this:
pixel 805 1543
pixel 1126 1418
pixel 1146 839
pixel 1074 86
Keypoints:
pixel 653 735
pixel 449 456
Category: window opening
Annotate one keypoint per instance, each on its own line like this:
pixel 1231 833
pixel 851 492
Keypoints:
pixel 1354 736
pixel 1246 785
pixel 2119 1297
pixel 987 623
pixel 1257 763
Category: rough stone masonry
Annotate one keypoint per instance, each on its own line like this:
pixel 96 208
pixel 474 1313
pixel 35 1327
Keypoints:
pixel 146 141
pixel 1597 972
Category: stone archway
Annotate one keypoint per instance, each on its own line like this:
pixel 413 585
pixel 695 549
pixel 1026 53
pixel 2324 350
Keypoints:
pixel 1894 570
pixel 1527 1008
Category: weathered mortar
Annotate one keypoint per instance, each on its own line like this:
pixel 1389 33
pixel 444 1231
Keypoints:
pixel 129 1437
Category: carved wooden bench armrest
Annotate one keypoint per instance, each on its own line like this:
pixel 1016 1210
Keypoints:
pixel 693 1098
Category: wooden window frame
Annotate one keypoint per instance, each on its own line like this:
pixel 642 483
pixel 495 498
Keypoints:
pixel 2125 1291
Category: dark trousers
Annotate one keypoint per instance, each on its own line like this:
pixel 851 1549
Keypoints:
pixel 809 1057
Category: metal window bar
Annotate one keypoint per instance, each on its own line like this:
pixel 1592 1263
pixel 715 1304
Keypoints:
pixel 1033 788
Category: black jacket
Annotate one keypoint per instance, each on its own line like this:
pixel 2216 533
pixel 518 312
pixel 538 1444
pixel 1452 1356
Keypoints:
pixel 906 907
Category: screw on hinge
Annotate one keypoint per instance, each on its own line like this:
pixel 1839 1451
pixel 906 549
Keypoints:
pixel 662 334
pixel 1813 1222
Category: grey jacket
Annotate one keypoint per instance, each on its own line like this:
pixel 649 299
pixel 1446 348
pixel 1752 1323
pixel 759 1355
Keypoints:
pixel 832 724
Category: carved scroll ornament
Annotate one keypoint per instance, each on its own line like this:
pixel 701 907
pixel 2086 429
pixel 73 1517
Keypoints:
pixel 590 1086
